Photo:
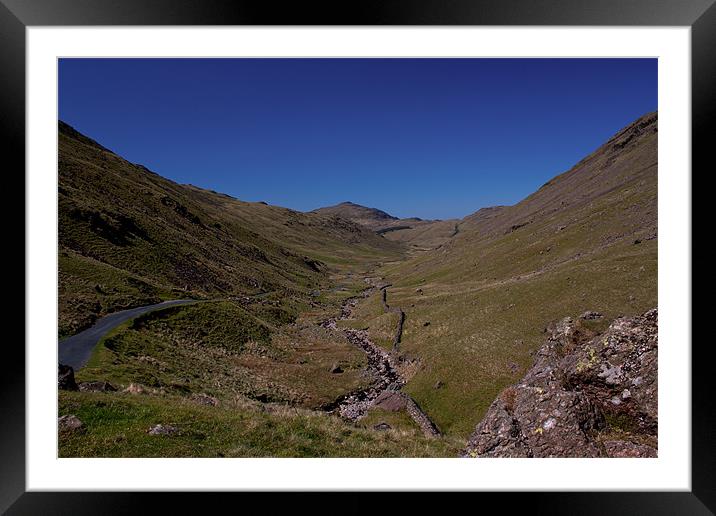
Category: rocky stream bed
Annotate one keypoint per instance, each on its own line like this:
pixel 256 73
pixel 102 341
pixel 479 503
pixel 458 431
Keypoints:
pixel 387 381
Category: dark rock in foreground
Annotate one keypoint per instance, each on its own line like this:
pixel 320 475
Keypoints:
pixel 586 395
pixel 66 378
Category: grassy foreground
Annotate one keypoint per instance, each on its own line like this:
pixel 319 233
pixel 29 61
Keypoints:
pixel 117 424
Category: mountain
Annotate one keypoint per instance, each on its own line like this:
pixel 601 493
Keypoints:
pixel 245 371
pixel 302 314
pixel 130 237
pixel 417 233
pixel 475 307
pixel 373 218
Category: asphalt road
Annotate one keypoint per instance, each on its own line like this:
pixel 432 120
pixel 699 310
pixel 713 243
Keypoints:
pixel 76 350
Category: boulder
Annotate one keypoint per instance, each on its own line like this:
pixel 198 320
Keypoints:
pixel 381 427
pixel 134 389
pixel 581 386
pixel 163 430
pixel 69 424
pixel 590 315
pixel 336 369
pixel 390 401
pixel 204 399
pixel 66 378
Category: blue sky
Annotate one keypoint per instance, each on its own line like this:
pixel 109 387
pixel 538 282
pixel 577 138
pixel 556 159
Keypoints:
pixel 432 138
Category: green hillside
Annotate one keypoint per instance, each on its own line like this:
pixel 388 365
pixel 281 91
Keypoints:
pixel 477 295
pixel 129 237
pixel 477 306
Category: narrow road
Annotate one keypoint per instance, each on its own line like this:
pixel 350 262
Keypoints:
pixel 75 351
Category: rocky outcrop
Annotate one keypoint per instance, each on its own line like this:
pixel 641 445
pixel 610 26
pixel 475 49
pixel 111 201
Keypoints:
pixel 587 395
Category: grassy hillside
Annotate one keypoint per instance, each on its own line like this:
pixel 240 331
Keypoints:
pixel 129 237
pixel 425 236
pixel 227 349
pixel 372 218
pixel 477 294
pixel 477 306
pixel 116 425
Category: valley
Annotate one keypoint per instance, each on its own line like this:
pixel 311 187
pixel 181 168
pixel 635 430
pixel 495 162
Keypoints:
pixel 343 331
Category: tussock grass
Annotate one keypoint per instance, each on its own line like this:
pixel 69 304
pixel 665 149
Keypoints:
pixel 117 424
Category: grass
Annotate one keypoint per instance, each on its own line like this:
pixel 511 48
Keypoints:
pixel 489 293
pixel 117 424
pixel 369 314
pixel 227 350
pixel 399 421
pixel 480 338
pixel 476 306
pixel 158 240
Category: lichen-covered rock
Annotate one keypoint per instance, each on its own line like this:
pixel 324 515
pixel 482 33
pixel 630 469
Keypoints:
pixel 582 388
pixel 69 424
pixel 163 430
pixel 619 370
pixel 627 449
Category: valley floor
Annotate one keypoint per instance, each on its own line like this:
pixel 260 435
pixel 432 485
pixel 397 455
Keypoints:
pixel 314 387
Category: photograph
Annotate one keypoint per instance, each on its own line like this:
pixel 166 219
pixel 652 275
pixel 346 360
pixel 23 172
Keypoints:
pixel 374 257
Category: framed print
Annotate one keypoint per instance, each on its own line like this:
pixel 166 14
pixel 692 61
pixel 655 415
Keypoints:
pixel 424 247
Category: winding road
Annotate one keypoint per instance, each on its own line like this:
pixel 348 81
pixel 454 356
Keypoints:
pixel 75 351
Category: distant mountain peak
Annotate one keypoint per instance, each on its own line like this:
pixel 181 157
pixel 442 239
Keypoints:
pixel 357 212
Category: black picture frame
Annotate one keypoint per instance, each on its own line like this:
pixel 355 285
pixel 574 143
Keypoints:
pixel 17 15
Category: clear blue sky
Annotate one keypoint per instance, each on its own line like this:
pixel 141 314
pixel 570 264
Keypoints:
pixel 432 138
